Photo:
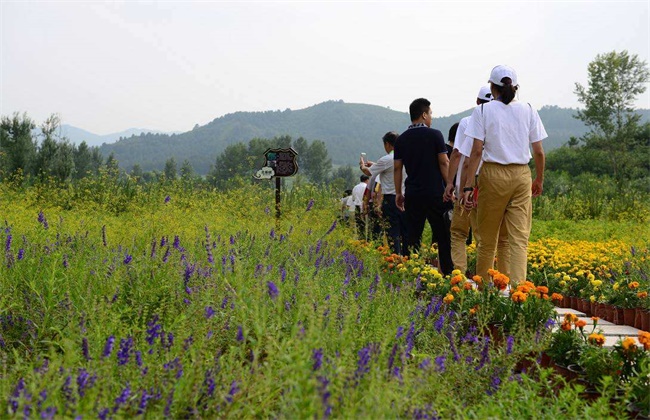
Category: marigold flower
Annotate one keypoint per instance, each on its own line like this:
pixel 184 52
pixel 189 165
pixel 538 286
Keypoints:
pixel 629 344
pixel 455 289
pixel 456 272
pixel 456 280
pixel 542 289
pixel 519 297
pixel 644 338
pixel 565 326
pixel 595 319
pixel 596 339
pixel 642 295
pixel 492 272
pixel 581 323
pixel 500 281
pixel 633 285
pixel 449 298
pixel 477 279
pixel 557 296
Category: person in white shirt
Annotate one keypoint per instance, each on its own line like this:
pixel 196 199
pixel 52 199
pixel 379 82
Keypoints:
pixel 504 130
pixel 462 219
pixel 393 218
pixel 357 195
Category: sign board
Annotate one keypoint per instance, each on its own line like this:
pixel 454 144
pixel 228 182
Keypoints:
pixel 282 161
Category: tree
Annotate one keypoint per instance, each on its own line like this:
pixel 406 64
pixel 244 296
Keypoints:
pixel 82 160
pixel 231 163
pixel 317 162
pixel 187 171
pixel 170 169
pixel 614 82
pixel 17 147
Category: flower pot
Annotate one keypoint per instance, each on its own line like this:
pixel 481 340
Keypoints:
pixel 590 394
pixel 628 316
pixel 618 316
pixel 639 313
pixel 544 360
pixel 646 320
pixel 565 372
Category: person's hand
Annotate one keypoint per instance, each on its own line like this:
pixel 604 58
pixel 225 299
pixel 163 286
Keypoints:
pixel 467 202
pixel 449 193
pixel 399 201
pixel 538 187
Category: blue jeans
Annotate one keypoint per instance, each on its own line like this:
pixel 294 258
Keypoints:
pixel 394 224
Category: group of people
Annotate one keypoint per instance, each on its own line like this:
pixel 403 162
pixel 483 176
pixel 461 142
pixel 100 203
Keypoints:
pixel 481 181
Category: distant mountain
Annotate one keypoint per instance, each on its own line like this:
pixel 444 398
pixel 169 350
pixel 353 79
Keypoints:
pixel 77 135
pixel 346 129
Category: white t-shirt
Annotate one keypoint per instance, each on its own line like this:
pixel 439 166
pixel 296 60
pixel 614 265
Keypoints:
pixel 509 130
pixel 348 202
pixel 384 168
pixel 459 144
pixel 357 193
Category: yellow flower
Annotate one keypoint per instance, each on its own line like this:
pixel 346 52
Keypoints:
pixel 416 270
pixel 449 298
pixel 590 277
pixel 456 272
pixel 592 298
pixel 580 273
pixel 615 286
pixel 415 256
pixel 566 278
pixel 431 285
pixel 562 283
pixel 629 344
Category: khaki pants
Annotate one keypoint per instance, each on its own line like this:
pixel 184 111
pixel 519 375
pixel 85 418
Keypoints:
pixel 504 198
pixel 461 222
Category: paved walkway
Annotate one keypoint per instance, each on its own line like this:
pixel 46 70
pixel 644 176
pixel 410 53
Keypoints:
pixel 612 332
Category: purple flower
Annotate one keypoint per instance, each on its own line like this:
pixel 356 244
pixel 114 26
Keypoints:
pixel 331 229
pixel 84 348
pixel 310 204
pixel 8 243
pixel 49 413
pixel 127 259
pixel 440 363
pixel 440 322
pixel 143 401
pixel 233 390
pixel 273 290
pixel 15 395
pixel 240 334
pixel 325 395
pixel 126 346
pixel 495 383
pixel 42 219
pixel 485 356
pixel 167 199
pixel 84 381
pixel 21 254
pixel 108 347
pixel 425 364
pixel 123 397
pixel 103 235
pixel 510 342
pixel 177 242
pixel 209 312
pixel 65 261
pixel 317 357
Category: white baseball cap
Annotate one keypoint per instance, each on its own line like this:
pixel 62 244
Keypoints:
pixel 485 94
pixel 499 72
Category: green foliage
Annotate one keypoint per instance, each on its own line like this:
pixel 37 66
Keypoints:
pixel 17 148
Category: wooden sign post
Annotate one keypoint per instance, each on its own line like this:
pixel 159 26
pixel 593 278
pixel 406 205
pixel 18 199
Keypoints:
pixel 279 163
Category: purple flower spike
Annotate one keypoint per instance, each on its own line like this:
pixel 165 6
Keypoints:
pixel 233 390
pixel 167 199
pixel 209 312
pixel 127 259
pixel 317 357
pixel 510 342
pixel 8 243
pixel 240 334
pixel 273 290
pixel 310 204
pixel 108 347
pixel 440 363
pixel 331 229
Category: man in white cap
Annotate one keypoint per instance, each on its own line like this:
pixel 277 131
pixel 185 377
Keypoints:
pixel 462 219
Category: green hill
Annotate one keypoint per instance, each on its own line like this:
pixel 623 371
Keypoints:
pixel 346 129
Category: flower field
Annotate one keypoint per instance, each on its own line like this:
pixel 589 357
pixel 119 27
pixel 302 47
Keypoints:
pixel 178 302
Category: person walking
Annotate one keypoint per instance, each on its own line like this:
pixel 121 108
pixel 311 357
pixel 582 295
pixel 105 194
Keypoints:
pixel 357 195
pixel 393 219
pixel 504 130
pixel 422 153
pixel 463 222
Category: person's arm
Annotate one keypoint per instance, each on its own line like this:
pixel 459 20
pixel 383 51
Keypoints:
pixel 365 167
pixel 453 168
pixel 540 163
pixel 472 166
pixel 397 178
pixel 443 163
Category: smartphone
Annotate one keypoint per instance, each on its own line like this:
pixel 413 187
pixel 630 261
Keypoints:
pixel 363 157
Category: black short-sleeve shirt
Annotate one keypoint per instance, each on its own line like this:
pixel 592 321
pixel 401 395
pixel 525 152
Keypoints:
pixel 418 149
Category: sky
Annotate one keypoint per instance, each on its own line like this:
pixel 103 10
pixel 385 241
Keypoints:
pixel 109 66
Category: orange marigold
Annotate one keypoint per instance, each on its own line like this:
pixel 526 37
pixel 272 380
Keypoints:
pixel 455 289
pixel 642 295
pixel 557 296
pixel 456 279
pixel 566 326
pixel 501 281
pixel 629 344
pixel 644 338
pixel 596 339
pixel 467 286
pixel 477 279
pixel 570 318
pixel 519 297
pixel 581 323
pixel 633 285
pixel 449 298
pixel 542 289
pixel 492 272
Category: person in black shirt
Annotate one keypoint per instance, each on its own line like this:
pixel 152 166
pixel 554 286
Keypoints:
pixel 421 150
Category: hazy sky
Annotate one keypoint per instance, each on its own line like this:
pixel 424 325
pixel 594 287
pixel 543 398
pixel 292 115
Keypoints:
pixel 106 67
